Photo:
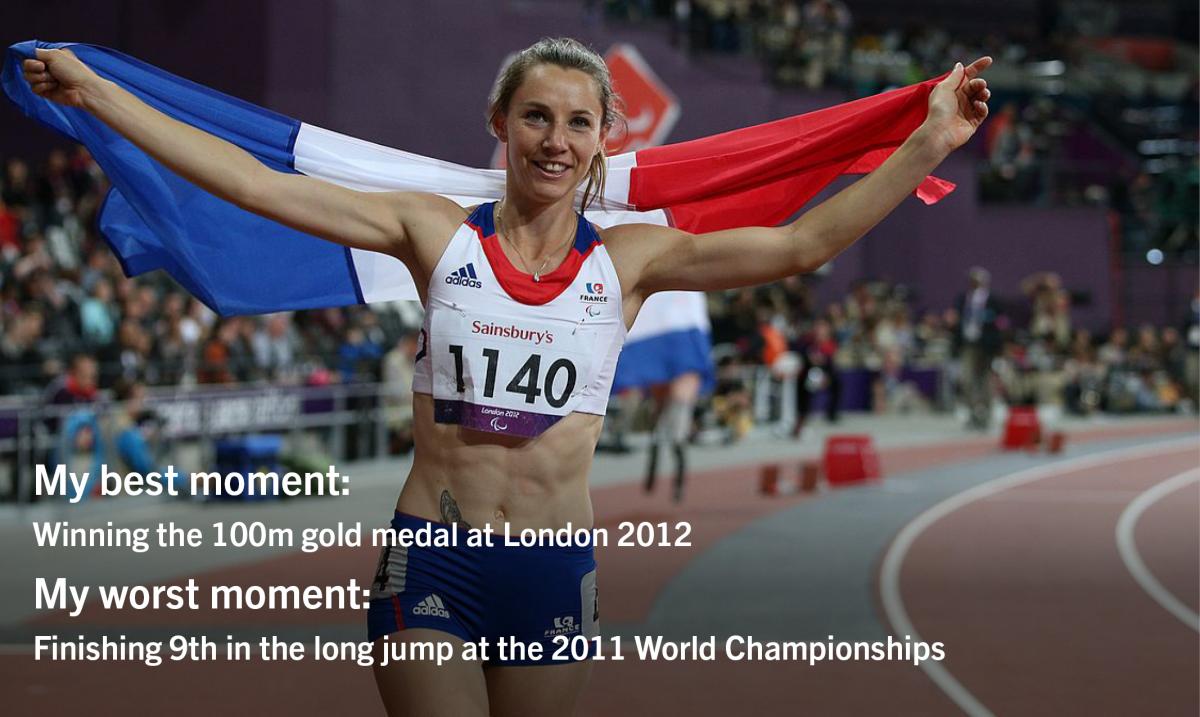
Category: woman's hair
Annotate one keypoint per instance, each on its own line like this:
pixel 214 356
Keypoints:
pixel 573 55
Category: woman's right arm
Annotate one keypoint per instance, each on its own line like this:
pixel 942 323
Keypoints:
pixel 365 220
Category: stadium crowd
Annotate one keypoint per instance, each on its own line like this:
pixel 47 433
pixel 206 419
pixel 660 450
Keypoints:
pixel 63 295
pixel 1047 144
pixel 806 43
pixel 1033 352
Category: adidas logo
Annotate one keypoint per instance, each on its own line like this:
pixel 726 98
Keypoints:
pixel 562 626
pixel 465 276
pixel 431 606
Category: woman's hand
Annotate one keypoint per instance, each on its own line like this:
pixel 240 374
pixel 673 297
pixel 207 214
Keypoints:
pixel 958 105
pixel 59 76
pixel 374 221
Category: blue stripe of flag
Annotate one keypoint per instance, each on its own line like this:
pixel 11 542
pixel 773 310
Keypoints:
pixel 234 261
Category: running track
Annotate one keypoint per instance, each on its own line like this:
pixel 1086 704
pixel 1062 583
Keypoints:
pixel 1026 587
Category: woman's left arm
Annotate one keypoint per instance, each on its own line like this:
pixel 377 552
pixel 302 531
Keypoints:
pixel 669 259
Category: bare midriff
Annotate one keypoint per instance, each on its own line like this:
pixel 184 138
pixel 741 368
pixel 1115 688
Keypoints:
pixel 493 479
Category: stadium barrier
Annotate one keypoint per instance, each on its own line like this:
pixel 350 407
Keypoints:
pixel 341 422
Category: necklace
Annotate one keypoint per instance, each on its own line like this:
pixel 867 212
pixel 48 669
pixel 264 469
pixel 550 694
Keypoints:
pixel 537 275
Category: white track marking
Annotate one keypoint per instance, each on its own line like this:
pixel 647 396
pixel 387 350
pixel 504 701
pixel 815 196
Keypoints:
pixel 1133 560
pixel 893 560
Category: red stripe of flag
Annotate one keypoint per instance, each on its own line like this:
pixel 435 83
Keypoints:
pixel 764 174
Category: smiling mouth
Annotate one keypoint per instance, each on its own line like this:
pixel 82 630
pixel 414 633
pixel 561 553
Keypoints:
pixel 552 169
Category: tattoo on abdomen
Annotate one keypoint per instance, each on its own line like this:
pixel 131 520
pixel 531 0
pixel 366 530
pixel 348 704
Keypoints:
pixel 450 511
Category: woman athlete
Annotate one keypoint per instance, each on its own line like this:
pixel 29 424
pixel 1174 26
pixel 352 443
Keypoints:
pixel 526 306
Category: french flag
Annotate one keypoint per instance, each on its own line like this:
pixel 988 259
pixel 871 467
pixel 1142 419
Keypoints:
pixel 239 263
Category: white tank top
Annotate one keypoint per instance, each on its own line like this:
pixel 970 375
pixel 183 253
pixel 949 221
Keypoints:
pixel 500 352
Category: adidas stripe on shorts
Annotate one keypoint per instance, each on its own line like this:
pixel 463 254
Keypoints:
pixel 527 594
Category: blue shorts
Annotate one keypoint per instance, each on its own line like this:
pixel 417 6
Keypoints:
pixel 529 594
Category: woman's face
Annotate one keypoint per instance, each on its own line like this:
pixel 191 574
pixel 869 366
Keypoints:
pixel 552 130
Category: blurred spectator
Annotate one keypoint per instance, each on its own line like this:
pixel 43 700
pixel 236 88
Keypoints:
pixel 1083 376
pixel 33 260
pixel 839 325
pixel 357 356
pixel 775 354
pixel 1112 352
pixel 894 333
pixel 935 343
pixel 817 351
pixel 398 367
pixel 61 312
pixel 1174 360
pixel 358 361
pixel 18 186
pixel 173 355
pixel 218 358
pixel 1014 372
pixel 77 384
pixel 826 24
pixel 133 344
pixel 26 354
pixel 97 315
pixel 10 232
pixel 979 341
pixel 80 448
pixel 731 399
pixel 274 347
pixel 1052 320
pixel 893 393
pixel 133 431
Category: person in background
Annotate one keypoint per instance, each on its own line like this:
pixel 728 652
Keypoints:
pixel 552 107
pixel 80 448
pixel 133 431
pixel 358 357
pixel 97 315
pixel 77 385
pixel 10 232
pixel 274 346
pixel 731 399
pixel 893 394
pixel 218 358
pixel 398 367
pixel 674 404
pixel 817 350
pixel 826 24
pixel 979 341
pixel 25 355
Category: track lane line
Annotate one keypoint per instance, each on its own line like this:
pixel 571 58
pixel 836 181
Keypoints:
pixel 1127 546
pixel 893 560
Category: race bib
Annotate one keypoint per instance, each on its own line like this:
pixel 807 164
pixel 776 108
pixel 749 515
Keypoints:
pixel 505 375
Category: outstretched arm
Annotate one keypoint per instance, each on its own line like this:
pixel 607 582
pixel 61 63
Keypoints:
pixel 661 258
pixel 365 220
